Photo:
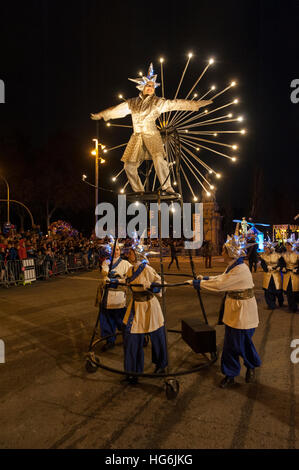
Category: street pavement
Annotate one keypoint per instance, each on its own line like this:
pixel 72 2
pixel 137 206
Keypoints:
pixel 49 400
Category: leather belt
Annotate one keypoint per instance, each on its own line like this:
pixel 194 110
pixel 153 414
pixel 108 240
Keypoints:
pixel 142 296
pixel 241 294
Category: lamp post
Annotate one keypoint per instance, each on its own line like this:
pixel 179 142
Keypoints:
pixel 7 185
pixel 97 152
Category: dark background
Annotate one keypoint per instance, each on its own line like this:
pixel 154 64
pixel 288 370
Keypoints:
pixel 62 60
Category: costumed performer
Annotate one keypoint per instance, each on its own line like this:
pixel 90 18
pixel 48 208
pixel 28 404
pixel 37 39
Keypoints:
pixel 143 316
pixel 146 142
pixel 272 278
pixel 240 313
pixel 113 307
pixel 290 272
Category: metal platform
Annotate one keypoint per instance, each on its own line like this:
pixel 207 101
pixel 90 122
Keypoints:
pixel 153 196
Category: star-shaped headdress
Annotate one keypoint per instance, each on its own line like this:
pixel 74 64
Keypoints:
pixel 236 246
pixel 142 81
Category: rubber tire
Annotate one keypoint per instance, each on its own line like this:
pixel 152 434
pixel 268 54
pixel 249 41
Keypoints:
pixel 172 389
pixel 90 367
pixel 213 356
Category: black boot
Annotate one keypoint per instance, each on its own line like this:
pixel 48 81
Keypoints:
pixel 132 379
pixel 250 376
pixel 227 382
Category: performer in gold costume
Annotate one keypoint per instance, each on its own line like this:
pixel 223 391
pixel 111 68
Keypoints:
pixel 146 142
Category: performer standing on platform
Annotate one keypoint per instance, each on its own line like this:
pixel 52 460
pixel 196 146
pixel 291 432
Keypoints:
pixel 143 316
pixel 240 314
pixel 146 142
pixel 272 279
pixel 291 276
pixel 114 308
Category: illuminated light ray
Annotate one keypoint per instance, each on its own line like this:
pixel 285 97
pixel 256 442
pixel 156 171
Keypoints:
pixel 181 114
pixel 207 113
pixel 185 158
pixel 205 94
pixel 222 91
pixel 109 124
pixel 215 142
pixel 191 163
pixel 205 123
pixel 220 132
pixel 182 76
pixel 198 123
pixel 118 174
pixel 180 83
pixel 195 84
pixel 198 80
pixel 124 187
pixel 187 181
pixel 203 164
pixel 196 157
pixel 116 147
pixel 162 76
pixel 216 151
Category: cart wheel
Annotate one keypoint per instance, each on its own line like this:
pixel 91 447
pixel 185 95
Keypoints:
pixel 91 367
pixel 213 356
pixel 172 388
pixel 145 341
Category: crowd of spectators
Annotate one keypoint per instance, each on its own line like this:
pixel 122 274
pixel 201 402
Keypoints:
pixel 67 251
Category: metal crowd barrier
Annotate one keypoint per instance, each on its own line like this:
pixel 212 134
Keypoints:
pixel 12 271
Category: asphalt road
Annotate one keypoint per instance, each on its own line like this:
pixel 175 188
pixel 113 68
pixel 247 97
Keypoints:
pixel 48 400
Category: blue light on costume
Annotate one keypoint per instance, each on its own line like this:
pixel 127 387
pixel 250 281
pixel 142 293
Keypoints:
pixel 260 240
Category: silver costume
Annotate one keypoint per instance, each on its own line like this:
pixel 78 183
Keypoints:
pixel 146 142
pixel 290 271
pixel 272 262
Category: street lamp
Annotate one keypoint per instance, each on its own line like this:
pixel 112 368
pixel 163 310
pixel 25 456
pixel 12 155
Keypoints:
pixel 97 152
pixel 7 185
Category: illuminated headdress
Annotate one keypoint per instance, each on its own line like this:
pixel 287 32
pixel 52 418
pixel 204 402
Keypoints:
pixel 291 241
pixel 236 246
pixel 107 248
pixel 270 245
pixel 142 81
pixel 140 249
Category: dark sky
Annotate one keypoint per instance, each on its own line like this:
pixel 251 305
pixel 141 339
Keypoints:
pixel 61 60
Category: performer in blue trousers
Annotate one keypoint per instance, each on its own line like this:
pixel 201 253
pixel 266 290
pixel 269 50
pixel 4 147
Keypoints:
pixel 113 309
pixel 240 314
pixel 143 316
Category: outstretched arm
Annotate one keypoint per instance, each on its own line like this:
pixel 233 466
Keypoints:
pixel 118 111
pixel 183 105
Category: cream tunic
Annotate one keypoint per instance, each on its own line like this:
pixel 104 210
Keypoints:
pixel 117 297
pixel 148 315
pixel 271 261
pixel 292 262
pixel 240 314
pixel 146 142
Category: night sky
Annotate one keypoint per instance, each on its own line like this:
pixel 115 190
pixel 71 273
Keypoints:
pixel 62 60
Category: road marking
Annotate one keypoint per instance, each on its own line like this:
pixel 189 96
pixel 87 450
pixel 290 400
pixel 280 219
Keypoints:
pixel 84 278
